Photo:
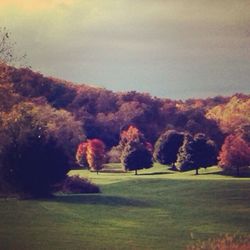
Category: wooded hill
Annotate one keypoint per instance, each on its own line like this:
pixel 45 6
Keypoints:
pixel 104 113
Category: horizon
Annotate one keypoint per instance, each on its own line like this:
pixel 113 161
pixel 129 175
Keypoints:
pixel 169 49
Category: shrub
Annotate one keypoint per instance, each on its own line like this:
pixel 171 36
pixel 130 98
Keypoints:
pixel 76 184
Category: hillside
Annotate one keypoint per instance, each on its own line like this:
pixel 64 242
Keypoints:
pixel 104 113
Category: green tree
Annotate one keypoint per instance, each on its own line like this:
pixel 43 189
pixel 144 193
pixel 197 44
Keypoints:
pixel 137 152
pixel 198 151
pixel 136 156
pixel 167 147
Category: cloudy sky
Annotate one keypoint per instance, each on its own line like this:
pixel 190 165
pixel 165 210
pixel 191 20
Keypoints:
pixel 169 48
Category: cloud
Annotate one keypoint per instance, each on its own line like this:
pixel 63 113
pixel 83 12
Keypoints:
pixel 175 44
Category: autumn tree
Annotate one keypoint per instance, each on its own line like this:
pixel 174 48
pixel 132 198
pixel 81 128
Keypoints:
pixel 137 152
pixel 81 155
pixel 95 154
pixel 235 153
pixel 233 115
pixel 167 147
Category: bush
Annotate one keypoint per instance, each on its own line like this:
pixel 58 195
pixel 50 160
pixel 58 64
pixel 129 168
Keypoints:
pixel 227 242
pixel 75 185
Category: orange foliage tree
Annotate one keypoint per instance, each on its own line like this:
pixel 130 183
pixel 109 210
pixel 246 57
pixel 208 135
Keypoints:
pixel 235 153
pixel 81 154
pixel 91 154
pixel 131 134
pixel 95 154
pixel 233 115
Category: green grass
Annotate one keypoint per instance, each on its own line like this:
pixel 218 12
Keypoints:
pixel 158 209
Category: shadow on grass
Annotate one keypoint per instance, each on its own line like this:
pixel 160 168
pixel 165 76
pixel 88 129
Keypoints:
pixel 98 199
pixel 231 174
pixel 156 173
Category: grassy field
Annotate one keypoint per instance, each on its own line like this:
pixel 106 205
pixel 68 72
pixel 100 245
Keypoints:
pixel 157 209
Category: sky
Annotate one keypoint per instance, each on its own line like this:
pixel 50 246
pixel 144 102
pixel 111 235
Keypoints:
pixel 177 49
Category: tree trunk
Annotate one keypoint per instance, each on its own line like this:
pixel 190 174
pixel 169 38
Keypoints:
pixel 196 171
pixel 238 171
pixel 136 172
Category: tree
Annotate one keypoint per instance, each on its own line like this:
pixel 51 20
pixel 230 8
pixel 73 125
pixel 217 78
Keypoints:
pixel 32 160
pixel 7 48
pixel 205 152
pixel 235 153
pixel 136 156
pixel 81 155
pixel 132 133
pixel 198 151
pixel 95 153
pixel 167 147
pixel 136 151
pixel 185 159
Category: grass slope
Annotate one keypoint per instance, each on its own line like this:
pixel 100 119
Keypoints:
pixel 158 209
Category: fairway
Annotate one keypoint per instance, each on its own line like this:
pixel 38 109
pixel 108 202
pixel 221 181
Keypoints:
pixel 157 209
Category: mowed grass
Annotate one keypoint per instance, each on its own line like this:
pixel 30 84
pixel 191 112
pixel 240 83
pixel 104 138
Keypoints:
pixel 158 209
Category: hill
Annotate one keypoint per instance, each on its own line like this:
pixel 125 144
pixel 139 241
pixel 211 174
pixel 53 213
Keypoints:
pixel 104 113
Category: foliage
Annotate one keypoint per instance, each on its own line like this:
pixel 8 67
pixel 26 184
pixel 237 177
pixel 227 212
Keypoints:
pixel 185 155
pixel 95 154
pixel 167 147
pixel 132 133
pixel 136 153
pixel 198 151
pixel 103 113
pixel 226 242
pixel 31 160
pixel 136 156
pixel 114 154
pixel 76 185
pixel 235 153
pixel 36 146
pixel 81 155
pixel 233 115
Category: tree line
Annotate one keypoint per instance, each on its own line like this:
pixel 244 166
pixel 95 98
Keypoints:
pixel 40 115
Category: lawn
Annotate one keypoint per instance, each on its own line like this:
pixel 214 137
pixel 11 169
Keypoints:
pixel 157 209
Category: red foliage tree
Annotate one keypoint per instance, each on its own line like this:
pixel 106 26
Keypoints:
pixel 91 154
pixel 235 152
pixel 81 154
pixel 95 154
